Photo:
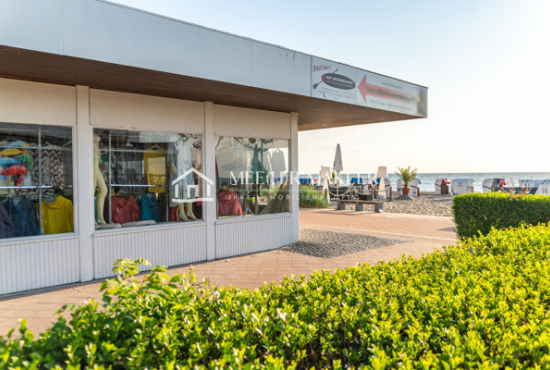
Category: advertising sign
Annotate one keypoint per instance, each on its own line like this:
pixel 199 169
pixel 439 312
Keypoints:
pixel 345 84
pixel 333 81
pixel 386 93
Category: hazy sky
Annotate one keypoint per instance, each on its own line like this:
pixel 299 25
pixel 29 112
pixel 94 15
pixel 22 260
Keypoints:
pixel 486 64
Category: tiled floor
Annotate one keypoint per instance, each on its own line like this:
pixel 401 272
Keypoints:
pixel 424 233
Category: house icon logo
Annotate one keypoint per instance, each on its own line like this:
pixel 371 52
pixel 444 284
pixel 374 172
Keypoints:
pixel 186 193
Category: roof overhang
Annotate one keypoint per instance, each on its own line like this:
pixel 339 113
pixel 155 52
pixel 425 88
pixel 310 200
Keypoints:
pixel 108 46
pixel 313 113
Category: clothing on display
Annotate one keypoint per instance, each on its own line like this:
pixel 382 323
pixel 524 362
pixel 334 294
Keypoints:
pixel 278 163
pixel 155 170
pixel 6 224
pixel 136 163
pixel 36 164
pixel 124 210
pixel 57 216
pixel 149 206
pixel 52 167
pixel 228 204
pixel 260 165
pixel 128 170
pixel 24 216
pixel 231 157
pixel 250 167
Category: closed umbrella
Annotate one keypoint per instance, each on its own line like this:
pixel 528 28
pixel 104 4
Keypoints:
pixel 338 166
pixel 381 174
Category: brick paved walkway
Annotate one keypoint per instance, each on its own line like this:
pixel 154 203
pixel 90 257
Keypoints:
pixel 424 233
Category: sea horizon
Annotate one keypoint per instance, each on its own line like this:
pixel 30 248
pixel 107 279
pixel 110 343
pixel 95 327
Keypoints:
pixel 428 178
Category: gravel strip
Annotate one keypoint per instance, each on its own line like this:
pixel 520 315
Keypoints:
pixel 329 244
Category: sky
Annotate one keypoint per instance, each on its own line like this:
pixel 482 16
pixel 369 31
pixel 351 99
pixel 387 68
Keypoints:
pixel 486 65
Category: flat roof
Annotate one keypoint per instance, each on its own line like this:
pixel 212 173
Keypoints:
pixel 110 46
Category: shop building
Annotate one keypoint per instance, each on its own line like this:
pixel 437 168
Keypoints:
pixel 125 134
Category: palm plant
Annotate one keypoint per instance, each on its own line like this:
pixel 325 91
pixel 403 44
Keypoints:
pixel 407 175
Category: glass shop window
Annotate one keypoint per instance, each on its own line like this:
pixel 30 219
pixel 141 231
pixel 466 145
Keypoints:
pixel 36 180
pixel 251 176
pixel 143 178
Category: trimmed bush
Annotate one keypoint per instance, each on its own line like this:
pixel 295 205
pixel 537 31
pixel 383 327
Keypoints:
pixel 311 198
pixel 477 213
pixel 483 304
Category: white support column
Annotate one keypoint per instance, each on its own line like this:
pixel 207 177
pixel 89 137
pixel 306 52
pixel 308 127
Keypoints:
pixel 294 187
pixel 209 208
pixel 84 193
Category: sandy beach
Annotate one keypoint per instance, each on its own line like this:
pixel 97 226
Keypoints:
pixel 428 204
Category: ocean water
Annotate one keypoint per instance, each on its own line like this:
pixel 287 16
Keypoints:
pixel 428 179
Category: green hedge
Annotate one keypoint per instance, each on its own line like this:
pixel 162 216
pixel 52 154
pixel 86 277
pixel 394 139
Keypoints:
pixel 311 198
pixel 483 304
pixel 477 213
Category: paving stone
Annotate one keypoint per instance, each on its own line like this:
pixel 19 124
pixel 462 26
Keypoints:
pixel 421 234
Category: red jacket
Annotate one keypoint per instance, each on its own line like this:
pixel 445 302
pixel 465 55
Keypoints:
pixel 228 204
pixel 124 210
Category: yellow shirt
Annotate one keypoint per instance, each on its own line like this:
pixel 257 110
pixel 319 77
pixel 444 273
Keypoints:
pixel 155 170
pixel 57 217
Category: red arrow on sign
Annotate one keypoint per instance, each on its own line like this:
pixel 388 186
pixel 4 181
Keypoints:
pixel 362 87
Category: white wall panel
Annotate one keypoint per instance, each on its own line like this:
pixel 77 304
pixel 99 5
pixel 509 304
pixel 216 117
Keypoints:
pixel 112 33
pixel 38 103
pixel 38 264
pixel 270 63
pixel 164 246
pixel 233 121
pixel 147 113
pixel 252 235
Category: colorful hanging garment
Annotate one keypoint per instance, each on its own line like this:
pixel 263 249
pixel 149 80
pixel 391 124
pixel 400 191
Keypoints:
pixel 57 217
pixel 51 166
pixel 6 224
pixel 23 214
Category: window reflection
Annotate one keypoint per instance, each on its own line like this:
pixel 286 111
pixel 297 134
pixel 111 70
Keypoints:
pixel 252 176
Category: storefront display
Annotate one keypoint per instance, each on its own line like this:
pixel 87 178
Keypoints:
pixel 252 177
pixel 137 174
pixel 36 169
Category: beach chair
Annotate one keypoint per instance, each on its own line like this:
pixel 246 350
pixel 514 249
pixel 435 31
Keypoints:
pixel 462 186
pixel 442 186
pixel 490 185
pixel 414 185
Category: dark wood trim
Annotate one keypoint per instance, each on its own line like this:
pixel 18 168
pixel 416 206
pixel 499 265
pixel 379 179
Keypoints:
pixel 313 113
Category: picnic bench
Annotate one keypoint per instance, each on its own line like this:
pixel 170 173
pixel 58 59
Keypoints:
pixel 378 206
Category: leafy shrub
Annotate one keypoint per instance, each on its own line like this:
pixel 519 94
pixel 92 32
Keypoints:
pixel 311 198
pixel 483 304
pixel 477 213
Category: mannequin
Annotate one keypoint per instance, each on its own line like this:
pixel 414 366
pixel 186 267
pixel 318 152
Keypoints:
pixel 99 181
pixel 185 210
pixel 182 160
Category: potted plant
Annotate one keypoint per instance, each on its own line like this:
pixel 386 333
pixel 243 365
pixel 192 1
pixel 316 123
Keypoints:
pixel 407 175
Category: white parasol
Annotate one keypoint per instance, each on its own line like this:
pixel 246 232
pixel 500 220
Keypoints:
pixel 382 174
pixel 338 166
